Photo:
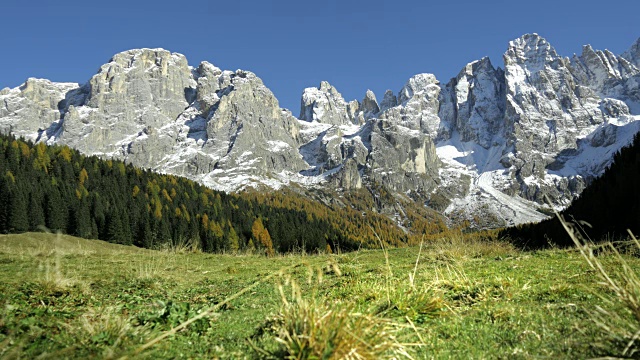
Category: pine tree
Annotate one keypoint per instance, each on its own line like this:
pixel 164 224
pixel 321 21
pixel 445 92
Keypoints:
pixel 5 205
pixel 163 232
pixel 55 211
pixel 216 234
pixel 80 221
pixel 36 212
pixel 145 234
pixel 114 229
pixel 18 218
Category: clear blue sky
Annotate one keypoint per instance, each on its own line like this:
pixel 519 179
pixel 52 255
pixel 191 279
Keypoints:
pixel 293 44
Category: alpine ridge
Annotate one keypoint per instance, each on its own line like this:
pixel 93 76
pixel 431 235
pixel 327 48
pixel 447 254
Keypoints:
pixel 487 147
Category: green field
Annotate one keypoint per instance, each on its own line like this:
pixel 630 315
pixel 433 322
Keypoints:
pixel 64 297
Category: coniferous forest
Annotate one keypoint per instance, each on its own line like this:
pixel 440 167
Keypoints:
pixel 606 209
pixel 59 189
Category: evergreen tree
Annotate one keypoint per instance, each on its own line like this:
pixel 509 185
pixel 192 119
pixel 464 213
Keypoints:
pixel 18 218
pixel 5 205
pixel 145 234
pixel 114 229
pixel 36 212
pixel 80 221
pixel 164 233
pixel 55 210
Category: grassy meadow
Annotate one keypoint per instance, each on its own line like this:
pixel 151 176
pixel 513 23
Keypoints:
pixel 65 297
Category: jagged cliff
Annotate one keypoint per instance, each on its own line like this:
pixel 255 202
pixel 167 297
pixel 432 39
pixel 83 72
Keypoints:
pixel 487 146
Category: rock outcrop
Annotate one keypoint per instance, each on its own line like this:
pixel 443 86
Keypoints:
pixel 473 104
pixel 324 104
pixel 418 104
pixel 33 107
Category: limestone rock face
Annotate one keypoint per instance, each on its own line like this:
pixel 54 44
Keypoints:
pixel 370 105
pixel 350 176
pixel 546 109
pixel 149 107
pixel 248 121
pixel 473 104
pixel 143 79
pixel 533 130
pixel 33 107
pixel 135 89
pixel 614 108
pixel 324 104
pixel 209 81
pixel 606 74
pixel 402 159
pixel 417 105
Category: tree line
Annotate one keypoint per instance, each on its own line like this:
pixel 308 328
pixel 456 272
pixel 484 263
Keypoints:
pixel 60 189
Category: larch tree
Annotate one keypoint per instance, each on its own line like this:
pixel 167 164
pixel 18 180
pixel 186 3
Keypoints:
pixel 261 234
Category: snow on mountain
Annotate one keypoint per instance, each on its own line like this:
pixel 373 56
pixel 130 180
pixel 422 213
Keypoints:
pixel 490 146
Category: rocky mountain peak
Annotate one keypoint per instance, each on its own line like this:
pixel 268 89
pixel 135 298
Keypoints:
pixel 633 54
pixel 146 57
pixel 389 101
pixel 324 104
pixel 150 76
pixel 472 103
pixel 531 51
pixel 482 65
pixel 417 105
pixel 420 84
pixel 370 105
pixel 208 70
pixel 600 70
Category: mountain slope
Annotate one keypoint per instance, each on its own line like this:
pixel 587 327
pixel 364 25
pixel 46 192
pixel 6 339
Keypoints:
pixel 610 206
pixel 57 187
pixel 481 148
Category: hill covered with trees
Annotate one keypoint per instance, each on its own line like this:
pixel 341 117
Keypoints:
pixel 606 209
pixel 63 190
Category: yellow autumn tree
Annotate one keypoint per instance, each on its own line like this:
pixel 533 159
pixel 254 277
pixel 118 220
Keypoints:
pixel 205 222
pixel 83 176
pixel 233 240
pixel 65 153
pixel 42 160
pixel 261 235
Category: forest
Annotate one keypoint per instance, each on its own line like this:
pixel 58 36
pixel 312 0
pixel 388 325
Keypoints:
pixel 58 189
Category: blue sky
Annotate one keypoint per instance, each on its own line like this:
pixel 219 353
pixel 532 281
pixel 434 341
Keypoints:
pixel 355 45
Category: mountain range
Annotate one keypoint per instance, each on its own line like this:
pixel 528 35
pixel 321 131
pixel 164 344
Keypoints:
pixel 486 148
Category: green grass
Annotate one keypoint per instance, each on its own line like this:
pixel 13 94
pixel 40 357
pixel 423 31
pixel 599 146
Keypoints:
pixel 64 297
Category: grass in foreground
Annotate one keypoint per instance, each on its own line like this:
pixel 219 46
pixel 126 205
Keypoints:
pixel 63 297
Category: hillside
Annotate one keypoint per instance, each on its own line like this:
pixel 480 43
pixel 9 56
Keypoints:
pixel 63 190
pixel 606 210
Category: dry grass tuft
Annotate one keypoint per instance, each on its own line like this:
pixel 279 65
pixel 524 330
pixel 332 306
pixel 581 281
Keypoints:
pixel 457 246
pixel 307 329
pixel 622 327
pixel 54 279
